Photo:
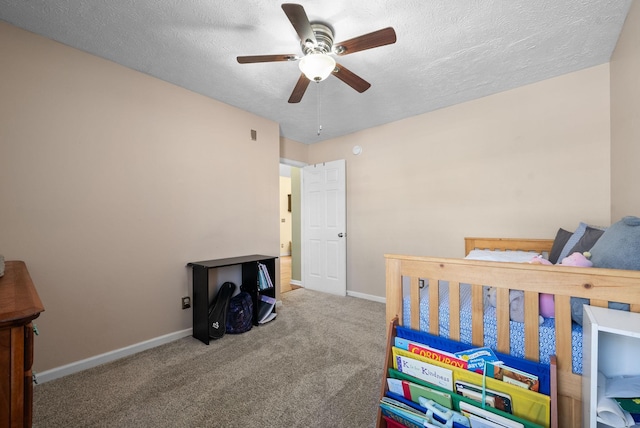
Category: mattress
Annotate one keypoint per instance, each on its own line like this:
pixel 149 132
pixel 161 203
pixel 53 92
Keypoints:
pixel 547 332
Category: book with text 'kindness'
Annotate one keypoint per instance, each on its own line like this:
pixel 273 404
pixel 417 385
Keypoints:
pixel 430 373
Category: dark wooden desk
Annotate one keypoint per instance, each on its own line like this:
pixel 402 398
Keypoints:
pixel 249 283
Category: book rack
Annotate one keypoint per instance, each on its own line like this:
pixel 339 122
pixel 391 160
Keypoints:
pixel 550 378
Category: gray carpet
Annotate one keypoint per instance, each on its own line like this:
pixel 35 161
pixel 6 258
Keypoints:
pixel 318 364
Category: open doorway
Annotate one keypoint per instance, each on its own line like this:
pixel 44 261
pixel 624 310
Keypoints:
pixel 285 211
pixel 290 263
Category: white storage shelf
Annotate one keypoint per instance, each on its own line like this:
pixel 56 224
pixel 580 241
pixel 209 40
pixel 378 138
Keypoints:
pixel 611 345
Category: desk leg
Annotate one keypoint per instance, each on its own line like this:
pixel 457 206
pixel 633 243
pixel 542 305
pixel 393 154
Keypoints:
pixel 201 304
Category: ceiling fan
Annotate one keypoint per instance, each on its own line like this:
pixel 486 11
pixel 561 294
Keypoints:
pixel 316 41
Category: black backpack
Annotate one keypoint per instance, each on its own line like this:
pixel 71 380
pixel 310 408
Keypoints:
pixel 240 313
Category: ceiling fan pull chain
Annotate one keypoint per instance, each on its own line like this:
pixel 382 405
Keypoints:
pixel 318 94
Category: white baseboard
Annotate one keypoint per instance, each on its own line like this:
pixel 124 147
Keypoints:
pixel 366 296
pixel 107 357
pixel 351 293
pixel 116 354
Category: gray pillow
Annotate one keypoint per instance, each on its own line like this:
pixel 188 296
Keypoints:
pixel 576 307
pixel 588 240
pixel 619 246
pixel 572 241
pixel 562 236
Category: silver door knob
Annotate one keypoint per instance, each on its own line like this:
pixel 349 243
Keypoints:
pixel 340 235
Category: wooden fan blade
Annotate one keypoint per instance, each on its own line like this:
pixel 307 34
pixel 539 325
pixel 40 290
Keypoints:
pixel 300 21
pixel 351 79
pixel 265 58
pixel 300 89
pixel 383 37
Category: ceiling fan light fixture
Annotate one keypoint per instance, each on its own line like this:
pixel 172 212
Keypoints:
pixel 317 66
pixel 316 42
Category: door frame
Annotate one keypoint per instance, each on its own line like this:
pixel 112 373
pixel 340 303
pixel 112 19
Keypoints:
pixel 295 257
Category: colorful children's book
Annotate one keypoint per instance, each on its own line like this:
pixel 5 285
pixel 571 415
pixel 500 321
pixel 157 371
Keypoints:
pixel 400 420
pixel 513 376
pixel 474 412
pixel 478 422
pixel 631 405
pixel 431 353
pixel 476 358
pixel 264 279
pixel 496 399
pixel 402 413
pixel 265 309
pixel 412 391
pixel 422 370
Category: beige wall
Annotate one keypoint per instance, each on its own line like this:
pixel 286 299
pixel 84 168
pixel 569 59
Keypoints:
pixel 293 150
pixel 517 164
pixel 625 119
pixel 110 182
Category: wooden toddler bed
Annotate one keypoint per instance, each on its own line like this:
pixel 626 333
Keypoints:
pixel 599 285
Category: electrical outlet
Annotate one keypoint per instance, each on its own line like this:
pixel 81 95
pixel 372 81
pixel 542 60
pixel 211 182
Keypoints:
pixel 186 302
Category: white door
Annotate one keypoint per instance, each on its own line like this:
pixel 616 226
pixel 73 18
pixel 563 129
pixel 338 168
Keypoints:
pixel 324 243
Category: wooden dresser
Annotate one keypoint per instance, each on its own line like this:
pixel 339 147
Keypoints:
pixel 19 306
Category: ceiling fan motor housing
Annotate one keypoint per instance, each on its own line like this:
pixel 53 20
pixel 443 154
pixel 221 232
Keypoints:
pixel 324 39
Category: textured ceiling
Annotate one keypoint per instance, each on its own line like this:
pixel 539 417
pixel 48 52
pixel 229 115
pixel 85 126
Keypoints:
pixel 447 51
